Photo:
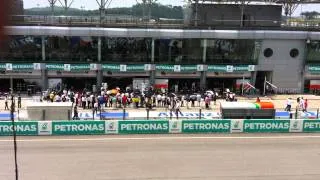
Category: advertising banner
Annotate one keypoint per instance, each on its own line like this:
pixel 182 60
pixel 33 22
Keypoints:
pixel 311 126
pixel 206 126
pixel 67 67
pixel 44 128
pixel 135 68
pixel 112 127
pixel 111 67
pixel 78 127
pixel 22 128
pixel 266 126
pixel 231 68
pixel 143 127
pixel 236 126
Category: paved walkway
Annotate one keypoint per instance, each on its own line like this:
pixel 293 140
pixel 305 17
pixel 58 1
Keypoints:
pixel 278 100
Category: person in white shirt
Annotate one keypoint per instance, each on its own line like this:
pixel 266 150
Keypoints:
pixel 288 106
pixel 182 100
pixel 163 99
pixel 199 99
pixel 83 101
pixel 159 97
pixel 65 92
pixel 301 104
pixel 6 107
pixel 177 107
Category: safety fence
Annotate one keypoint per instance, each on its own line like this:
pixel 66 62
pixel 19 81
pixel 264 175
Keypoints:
pixel 35 128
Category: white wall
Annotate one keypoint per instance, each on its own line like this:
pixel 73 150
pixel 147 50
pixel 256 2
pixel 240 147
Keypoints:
pixel 286 70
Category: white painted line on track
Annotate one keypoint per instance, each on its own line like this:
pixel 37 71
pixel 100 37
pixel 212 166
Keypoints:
pixel 159 138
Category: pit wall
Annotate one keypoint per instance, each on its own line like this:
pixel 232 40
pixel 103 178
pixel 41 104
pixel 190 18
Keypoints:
pixel 38 128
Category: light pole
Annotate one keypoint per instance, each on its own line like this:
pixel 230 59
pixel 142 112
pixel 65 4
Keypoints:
pixel 14 136
pixel 82 9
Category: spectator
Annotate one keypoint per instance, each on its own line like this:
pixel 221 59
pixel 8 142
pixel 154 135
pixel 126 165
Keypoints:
pixel 288 106
pixel 6 107
pixel 305 105
pixel 19 101
pixel 75 113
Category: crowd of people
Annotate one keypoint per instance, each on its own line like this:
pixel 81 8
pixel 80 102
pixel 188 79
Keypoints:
pixel 302 104
pixel 116 98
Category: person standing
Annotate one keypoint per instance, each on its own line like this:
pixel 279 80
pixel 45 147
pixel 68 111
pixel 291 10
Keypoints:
pixel 19 101
pixel 159 97
pixel 75 113
pixel 163 99
pixel 258 99
pixel 124 101
pixel 207 102
pixel 301 104
pixel 76 98
pixel 177 105
pixel 288 107
pixel 95 107
pixel 182 100
pixel 6 107
pixel 305 105
pixel 83 101
pixel 215 98
pixel 199 99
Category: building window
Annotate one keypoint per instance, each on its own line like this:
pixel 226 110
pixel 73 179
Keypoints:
pixel 294 53
pixel 268 52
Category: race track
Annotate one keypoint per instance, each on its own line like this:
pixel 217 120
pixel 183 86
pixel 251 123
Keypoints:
pixel 165 157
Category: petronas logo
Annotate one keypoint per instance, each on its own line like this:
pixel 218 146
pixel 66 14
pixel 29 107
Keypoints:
pixel 229 68
pixel 111 126
pixel 44 126
pixel 175 125
pixel 9 67
pixel 177 68
pixel 236 125
pixel 295 125
pixel 123 67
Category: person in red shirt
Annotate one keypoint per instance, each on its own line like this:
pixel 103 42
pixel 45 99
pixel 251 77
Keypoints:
pixel 305 105
pixel 124 101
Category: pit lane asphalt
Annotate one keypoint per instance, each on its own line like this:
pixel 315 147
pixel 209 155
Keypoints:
pixel 162 157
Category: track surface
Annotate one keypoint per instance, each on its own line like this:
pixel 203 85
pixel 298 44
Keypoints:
pixel 165 157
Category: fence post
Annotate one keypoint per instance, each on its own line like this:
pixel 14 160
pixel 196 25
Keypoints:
pixel 177 115
pixel 170 115
pixel 200 112
pixel 43 115
pixel 93 114
pixel 69 114
pixel 317 113
pixel 124 114
pixel 296 115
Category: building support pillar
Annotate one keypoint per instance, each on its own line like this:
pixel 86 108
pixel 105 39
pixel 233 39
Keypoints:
pixel 152 77
pixel 253 77
pixel 44 79
pixel 99 71
pixel 203 80
pixel 203 75
pixel 44 71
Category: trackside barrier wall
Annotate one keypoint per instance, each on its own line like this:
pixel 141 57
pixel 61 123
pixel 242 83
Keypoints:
pixel 34 128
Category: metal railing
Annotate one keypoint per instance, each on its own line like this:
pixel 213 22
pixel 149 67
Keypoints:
pixel 132 21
